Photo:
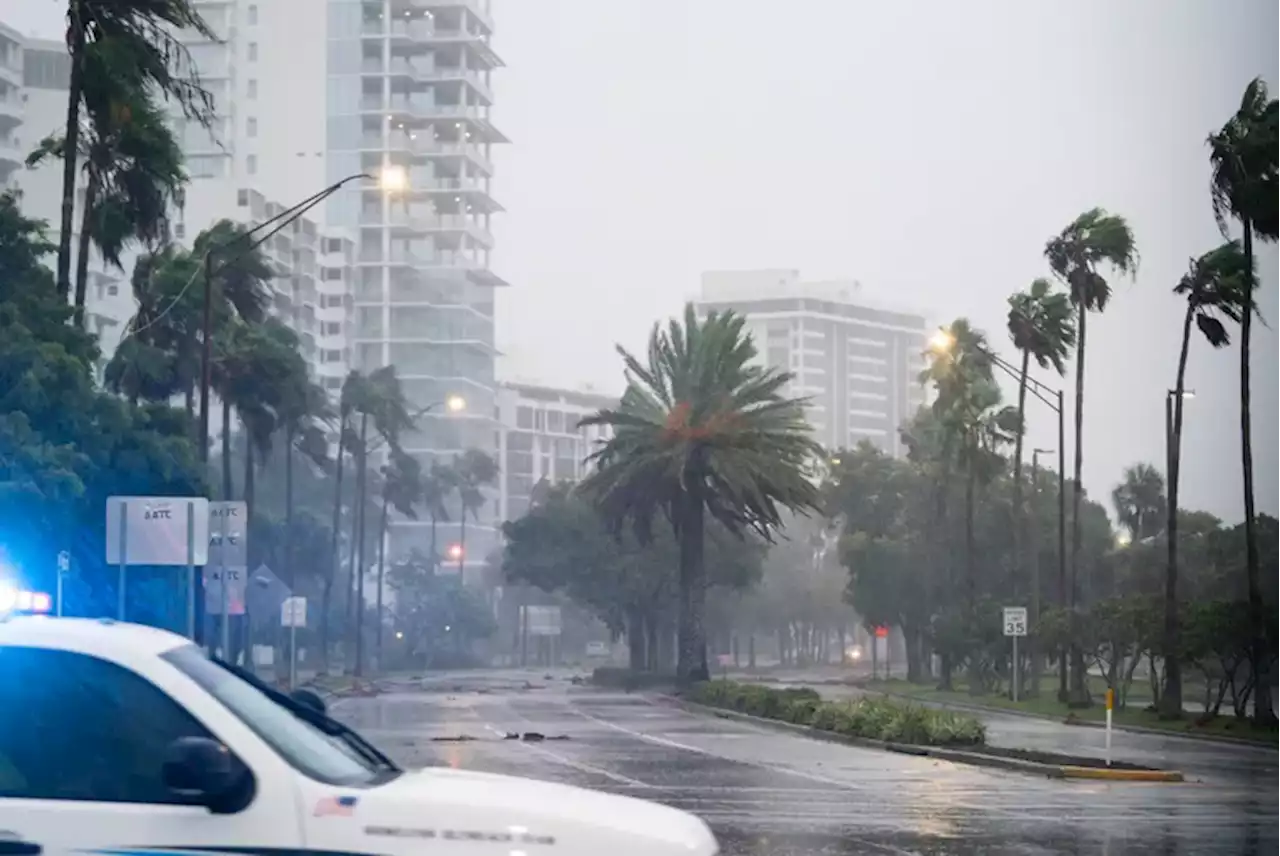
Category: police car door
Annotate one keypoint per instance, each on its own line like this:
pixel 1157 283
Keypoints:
pixel 82 745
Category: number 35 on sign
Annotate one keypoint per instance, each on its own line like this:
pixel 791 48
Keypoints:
pixel 1015 621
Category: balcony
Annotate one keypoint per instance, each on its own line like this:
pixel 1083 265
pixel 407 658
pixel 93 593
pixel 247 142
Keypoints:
pixel 474 79
pixel 11 110
pixel 425 224
pixel 474 7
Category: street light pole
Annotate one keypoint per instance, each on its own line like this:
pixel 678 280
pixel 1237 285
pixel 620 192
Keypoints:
pixel 1053 399
pixel 1171 698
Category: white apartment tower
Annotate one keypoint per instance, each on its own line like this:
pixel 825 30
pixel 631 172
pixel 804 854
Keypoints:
pixel 858 363
pixel 11 105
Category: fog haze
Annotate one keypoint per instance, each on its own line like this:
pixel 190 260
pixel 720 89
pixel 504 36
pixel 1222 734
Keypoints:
pixel 926 149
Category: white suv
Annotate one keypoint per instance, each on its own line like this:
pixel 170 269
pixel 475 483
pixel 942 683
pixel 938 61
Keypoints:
pixel 121 739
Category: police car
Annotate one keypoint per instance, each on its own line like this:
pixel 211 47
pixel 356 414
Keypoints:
pixel 123 740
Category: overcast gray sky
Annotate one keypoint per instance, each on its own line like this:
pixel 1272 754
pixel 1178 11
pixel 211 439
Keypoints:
pixel 927 149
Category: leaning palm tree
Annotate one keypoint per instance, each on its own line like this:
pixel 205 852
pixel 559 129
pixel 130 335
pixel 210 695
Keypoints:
pixel 1214 288
pixel 147 30
pixel 474 471
pixel 1089 242
pixel 1042 327
pixel 702 429
pixel 303 412
pixel 132 161
pixel 401 489
pixel 438 484
pixel 1244 188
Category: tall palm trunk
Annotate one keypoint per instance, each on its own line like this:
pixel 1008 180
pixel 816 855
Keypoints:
pixel 970 537
pixel 288 507
pixel 1077 694
pixel 462 542
pixel 1020 521
pixel 75 87
pixel 226 451
pixel 382 561
pixel 691 657
pixel 1263 713
pixel 82 250
pixel 355 597
pixel 435 554
pixel 326 598
pixel 1171 698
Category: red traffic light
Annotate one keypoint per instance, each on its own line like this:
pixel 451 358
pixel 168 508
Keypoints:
pixel 882 632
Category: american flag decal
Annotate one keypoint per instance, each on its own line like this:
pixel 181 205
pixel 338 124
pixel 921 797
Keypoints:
pixel 336 807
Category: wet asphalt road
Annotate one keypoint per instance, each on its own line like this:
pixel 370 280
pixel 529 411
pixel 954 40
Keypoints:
pixel 767 793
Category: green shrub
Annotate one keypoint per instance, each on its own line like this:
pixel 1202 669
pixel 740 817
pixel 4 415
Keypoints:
pixel 870 717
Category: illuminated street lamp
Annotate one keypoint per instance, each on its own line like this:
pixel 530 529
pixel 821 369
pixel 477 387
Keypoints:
pixel 942 340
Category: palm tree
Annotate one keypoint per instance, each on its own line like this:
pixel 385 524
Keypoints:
pixel 1244 188
pixel 351 392
pixel 303 413
pixel 438 484
pixel 1214 288
pixel 474 471
pixel 1140 502
pixel 145 30
pixel 133 163
pixel 1042 327
pixel 401 488
pixel 702 430
pixel 1090 241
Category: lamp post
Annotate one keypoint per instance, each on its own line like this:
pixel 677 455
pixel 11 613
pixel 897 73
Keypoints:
pixel 1052 398
pixel 1033 642
pixel 1171 698
pixel 392 179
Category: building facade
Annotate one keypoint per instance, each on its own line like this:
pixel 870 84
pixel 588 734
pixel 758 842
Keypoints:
pixel 858 363
pixel 11 103
pixel 540 442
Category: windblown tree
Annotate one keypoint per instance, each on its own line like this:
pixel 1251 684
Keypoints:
pixel 1140 502
pixel 1093 241
pixel 146 31
pixel 1042 327
pixel 474 471
pixel 132 162
pixel 702 429
pixel 1214 288
pixel 1244 188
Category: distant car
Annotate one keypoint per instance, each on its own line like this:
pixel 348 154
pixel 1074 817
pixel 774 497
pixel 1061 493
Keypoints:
pixel 122 739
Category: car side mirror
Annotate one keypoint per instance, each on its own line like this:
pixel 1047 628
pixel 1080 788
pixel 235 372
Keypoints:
pixel 205 771
pixel 309 699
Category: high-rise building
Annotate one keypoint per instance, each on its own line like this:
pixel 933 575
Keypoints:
pixel 11 109
pixel 857 362
pixel 540 441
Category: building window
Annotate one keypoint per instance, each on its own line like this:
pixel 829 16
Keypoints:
pixel 253 51
pixel 331 356
pixel 524 417
pixel 253 126
pixel 253 88
pixel 253 14
pixel 331 274
pixel 242 198
pixel 179 231
pixel 333 245
pixel 540 420
pixel 251 164
pixel 332 328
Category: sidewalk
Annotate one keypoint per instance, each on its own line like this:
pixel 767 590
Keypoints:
pixel 1198 759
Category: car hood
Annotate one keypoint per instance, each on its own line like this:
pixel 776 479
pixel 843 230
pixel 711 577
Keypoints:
pixel 444 804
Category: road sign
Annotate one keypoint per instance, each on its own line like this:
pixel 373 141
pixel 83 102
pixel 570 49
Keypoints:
pixel 1015 621
pixel 542 620
pixel 64 562
pixel 153 530
pixel 293 612
pixel 228 534
pixel 237 582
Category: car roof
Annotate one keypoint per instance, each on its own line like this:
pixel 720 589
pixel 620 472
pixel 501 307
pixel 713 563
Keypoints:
pixel 101 637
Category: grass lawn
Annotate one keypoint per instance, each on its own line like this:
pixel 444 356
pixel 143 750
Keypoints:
pixel 1047 704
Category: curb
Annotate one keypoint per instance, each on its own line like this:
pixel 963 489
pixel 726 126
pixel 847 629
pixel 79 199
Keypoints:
pixel 960 756
pixel 1077 723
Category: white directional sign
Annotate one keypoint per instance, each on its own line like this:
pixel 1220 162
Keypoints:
pixel 237 582
pixel 155 530
pixel 542 620
pixel 293 612
pixel 1015 621
pixel 228 534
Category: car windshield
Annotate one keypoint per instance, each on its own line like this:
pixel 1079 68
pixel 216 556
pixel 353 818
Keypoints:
pixel 305 747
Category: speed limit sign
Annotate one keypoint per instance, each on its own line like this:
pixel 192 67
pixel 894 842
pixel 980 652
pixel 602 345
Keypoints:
pixel 1015 621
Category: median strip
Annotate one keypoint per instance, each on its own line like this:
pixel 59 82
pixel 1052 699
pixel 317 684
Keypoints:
pixel 894 726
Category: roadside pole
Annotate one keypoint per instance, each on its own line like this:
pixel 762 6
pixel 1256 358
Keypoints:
pixel 191 572
pixel 222 591
pixel 1111 695
pixel 124 556
pixel 1015 625
pixel 64 566
pixel 1015 670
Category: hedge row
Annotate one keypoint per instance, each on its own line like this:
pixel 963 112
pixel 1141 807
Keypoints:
pixel 869 717
pixel 621 678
